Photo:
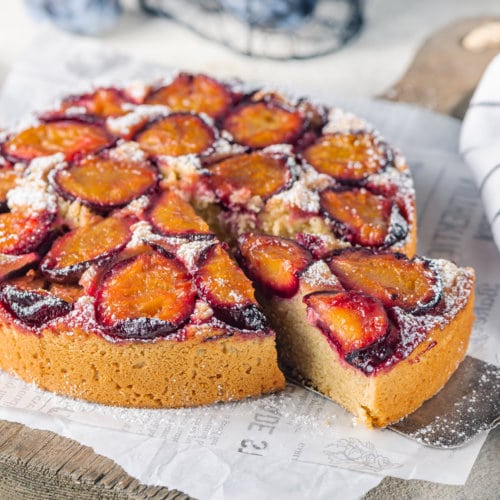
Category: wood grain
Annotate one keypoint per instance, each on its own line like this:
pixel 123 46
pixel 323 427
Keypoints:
pixel 43 465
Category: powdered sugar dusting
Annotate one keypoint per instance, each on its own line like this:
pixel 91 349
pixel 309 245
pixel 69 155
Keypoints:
pixel 40 167
pixel 280 149
pixel 304 192
pixel 83 315
pixel 128 151
pixel 142 231
pixel 318 274
pixel 344 122
pixel 75 111
pixel 202 312
pixel 30 197
pixel 136 207
pixel 190 252
pixel 184 165
pixel 223 146
pixel 124 125
pixel 32 192
pixel 301 197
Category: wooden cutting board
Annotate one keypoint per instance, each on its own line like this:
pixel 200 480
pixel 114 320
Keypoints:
pixel 448 66
pixel 442 77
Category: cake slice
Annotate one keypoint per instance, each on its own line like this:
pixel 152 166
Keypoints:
pixel 374 331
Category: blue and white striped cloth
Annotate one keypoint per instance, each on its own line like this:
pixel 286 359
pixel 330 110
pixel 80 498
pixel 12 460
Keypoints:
pixel 480 143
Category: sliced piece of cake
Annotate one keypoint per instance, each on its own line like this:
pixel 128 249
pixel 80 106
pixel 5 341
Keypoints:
pixel 374 331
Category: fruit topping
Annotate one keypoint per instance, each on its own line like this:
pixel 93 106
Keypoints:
pixel 73 252
pixel 319 245
pixel 20 234
pixel 347 157
pixel 147 296
pixel 8 180
pixel 12 263
pixel 274 263
pixel 369 358
pixel 196 93
pixel 362 217
pixel 103 102
pixel 393 278
pixel 33 307
pixel 253 174
pixel 104 183
pixel 352 320
pixel 68 293
pixel 176 135
pixel 71 137
pixel 228 291
pixel 261 124
pixel 31 280
pixel 171 215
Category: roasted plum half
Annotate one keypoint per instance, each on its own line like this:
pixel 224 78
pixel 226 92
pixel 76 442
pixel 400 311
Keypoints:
pixel 274 263
pixel 70 293
pixel 362 217
pixel 10 264
pixel 347 157
pixel 104 183
pixel 8 181
pixel 71 137
pixel 171 215
pixel 21 234
pixel 264 123
pixel 352 320
pixel 251 174
pixel 392 278
pixel 102 103
pixel 72 253
pixel 33 307
pixel 144 297
pixel 176 135
pixel 196 93
pixel 228 291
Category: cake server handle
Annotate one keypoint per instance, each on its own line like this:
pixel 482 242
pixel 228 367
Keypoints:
pixel 467 405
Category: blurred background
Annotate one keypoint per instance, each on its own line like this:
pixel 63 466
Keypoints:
pixel 375 39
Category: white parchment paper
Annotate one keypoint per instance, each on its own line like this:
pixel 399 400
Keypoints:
pixel 295 444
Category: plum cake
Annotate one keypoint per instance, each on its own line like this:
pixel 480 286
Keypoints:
pixel 136 220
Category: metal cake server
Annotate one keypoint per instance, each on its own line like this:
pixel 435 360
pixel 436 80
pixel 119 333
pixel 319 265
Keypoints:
pixel 467 405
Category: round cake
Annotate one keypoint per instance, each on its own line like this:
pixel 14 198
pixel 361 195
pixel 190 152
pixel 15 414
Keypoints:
pixel 135 219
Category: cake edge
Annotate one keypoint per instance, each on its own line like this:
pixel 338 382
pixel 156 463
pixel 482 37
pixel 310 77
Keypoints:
pixel 166 373
pixel 376 399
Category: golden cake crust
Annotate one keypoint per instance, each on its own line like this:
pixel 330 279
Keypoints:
pixel 165 373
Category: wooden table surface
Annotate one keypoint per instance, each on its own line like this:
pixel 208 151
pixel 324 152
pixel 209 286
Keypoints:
pixel 41 464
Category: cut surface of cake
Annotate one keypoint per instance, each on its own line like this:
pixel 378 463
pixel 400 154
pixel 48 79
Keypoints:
pixel 372 330
pixel 121 210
